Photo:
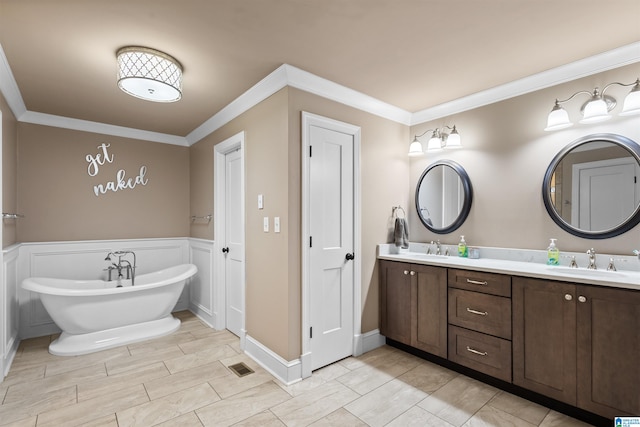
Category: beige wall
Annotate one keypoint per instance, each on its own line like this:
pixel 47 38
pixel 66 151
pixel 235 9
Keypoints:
pixel 56 193
pixel 506 154
pixel 273 168
pixel 268 262
pixel 9 171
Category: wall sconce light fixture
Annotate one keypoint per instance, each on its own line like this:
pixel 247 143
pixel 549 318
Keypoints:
pixel 149 74
pixel 439 140
pixel 597 108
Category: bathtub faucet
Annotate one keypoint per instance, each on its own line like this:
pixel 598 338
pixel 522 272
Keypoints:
pixel 130 269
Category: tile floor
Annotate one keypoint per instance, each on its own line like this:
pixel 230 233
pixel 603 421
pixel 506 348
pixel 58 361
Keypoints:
pixel 183 380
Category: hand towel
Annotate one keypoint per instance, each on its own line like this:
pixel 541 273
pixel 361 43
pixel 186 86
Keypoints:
pixel 401 233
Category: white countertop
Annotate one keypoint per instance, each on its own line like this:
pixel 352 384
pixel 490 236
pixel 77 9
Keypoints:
pixel 628 279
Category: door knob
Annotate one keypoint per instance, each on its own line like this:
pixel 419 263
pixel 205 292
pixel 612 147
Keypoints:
pixel 350 257
pixel 225 250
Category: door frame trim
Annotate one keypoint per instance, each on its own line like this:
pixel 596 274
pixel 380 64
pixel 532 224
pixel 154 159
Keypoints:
pixel 221 149
pixel 309 119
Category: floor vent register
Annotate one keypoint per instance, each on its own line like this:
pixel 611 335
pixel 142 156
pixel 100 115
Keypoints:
pixel 240 369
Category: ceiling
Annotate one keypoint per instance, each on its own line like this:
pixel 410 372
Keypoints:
pixel 411 54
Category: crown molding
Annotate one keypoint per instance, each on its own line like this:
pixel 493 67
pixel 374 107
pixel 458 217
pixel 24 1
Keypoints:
pixel 102 128
pixel 9 87
pixel 288 75
pixel 609 60
pixel 311 83
pixel 252 97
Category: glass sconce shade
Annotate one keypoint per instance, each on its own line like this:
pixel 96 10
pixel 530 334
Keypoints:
pixel 149 74
pixel 632 102
pixel 558 119
pixel 435 143
pixel 595 111
pixel 453 140
pixel 415 149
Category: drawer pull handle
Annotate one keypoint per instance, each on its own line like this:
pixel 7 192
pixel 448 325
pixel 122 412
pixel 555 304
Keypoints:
pixel 479 353
pixel 479 313
pixel 406 272
pixel 477 282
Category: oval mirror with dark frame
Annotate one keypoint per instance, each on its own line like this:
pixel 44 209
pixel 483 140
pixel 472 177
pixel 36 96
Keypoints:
pixel 591 188
pixel 443 196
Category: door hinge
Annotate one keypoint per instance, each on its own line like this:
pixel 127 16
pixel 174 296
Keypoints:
pixel 635 179
pixel 310 241
pixel 310 151
pixel 311 332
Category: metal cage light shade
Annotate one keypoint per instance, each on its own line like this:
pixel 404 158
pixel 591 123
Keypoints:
pixel 149 74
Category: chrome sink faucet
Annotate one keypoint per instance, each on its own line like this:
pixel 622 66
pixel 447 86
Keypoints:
pixel 130 269
pixel 636 253
pixel 429 247
pixel 592 259
pixel 438 246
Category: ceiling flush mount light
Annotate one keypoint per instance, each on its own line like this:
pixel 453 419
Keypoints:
pixel 439 140
pixel 597 108
pixel 149 74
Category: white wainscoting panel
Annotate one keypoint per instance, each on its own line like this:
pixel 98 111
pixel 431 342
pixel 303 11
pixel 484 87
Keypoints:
pixel 201 286
pixel 10 310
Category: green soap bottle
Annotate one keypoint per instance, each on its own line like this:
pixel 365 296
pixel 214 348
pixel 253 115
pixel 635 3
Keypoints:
pixel 462 248
pixel 553 253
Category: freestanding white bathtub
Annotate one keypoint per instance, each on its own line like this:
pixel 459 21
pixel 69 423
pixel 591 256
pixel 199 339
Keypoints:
pixel 96 315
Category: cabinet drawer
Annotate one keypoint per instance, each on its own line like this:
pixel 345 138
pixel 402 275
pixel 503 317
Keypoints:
pixel 483 353
pixel 478 281
pixel 480 312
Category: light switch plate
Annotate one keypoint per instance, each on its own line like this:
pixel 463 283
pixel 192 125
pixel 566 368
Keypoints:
pixel 265 225
pixel 276 224
pixel 260 201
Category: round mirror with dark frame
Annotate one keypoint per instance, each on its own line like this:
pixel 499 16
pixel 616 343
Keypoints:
pixel 591 187
pixel 443 196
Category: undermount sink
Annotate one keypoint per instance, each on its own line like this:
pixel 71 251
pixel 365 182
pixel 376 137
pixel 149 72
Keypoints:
pixel 586 272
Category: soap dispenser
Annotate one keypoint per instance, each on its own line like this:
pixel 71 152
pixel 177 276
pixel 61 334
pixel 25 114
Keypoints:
pixel 553 253
pixel 462 248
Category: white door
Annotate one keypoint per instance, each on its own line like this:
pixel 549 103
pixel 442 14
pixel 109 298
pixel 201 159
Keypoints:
pixel 234 243
pixel 606 193
pixel 331 245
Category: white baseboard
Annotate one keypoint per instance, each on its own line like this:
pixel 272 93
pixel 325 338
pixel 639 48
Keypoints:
pixel 295 370
pixel 372 340
pixel 204 316
pixel 285 371
pixel 12 350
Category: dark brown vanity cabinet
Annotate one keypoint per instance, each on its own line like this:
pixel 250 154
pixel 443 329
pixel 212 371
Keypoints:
pixel 413 305
pixel 579 344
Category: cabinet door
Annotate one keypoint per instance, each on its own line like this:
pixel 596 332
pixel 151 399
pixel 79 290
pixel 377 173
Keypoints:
pixel 395 301
pixel 608 350
pixel 544 337
pixel 429 291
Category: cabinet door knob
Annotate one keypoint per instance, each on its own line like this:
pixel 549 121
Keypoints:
pixel 568 297
pixel 582 298
pixel 413 273
pixel 406 272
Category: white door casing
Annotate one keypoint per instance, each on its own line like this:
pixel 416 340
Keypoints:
pixel 229 236
pixel 605 193
pixel 331 282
